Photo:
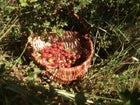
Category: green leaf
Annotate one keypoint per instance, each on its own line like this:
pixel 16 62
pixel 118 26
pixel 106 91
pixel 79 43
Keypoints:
pixel 31 1
pixel 23 3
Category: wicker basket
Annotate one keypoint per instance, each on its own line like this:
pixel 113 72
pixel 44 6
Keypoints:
pixel 76 43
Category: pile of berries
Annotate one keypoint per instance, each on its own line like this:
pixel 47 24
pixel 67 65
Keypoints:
pixel 56 56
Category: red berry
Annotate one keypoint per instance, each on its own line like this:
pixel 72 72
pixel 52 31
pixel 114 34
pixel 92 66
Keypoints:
pixel 54 45
pixel 68 65
pixel 68 56
pixel 42 51
pixel 62 57
pixel 50 55
pixel 78 56
pixel 44 55
pixel 60 45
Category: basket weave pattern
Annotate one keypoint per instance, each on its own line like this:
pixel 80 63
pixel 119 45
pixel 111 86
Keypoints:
pixel 77 43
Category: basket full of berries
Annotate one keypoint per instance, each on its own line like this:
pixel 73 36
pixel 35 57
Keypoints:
pixel 65 58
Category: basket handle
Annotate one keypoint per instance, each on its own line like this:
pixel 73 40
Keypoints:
pixel 83 22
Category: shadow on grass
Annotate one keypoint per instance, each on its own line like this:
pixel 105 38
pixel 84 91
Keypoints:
pixel 80 98
pixel 16 92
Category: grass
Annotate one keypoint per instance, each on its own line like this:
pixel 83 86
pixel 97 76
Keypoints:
pixel 112 79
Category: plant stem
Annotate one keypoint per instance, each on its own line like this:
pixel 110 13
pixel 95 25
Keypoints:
pixel 72 96
pixel 15 21
pixel 17 60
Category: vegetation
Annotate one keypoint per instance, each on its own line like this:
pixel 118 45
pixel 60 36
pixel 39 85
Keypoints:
pixel 114 75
